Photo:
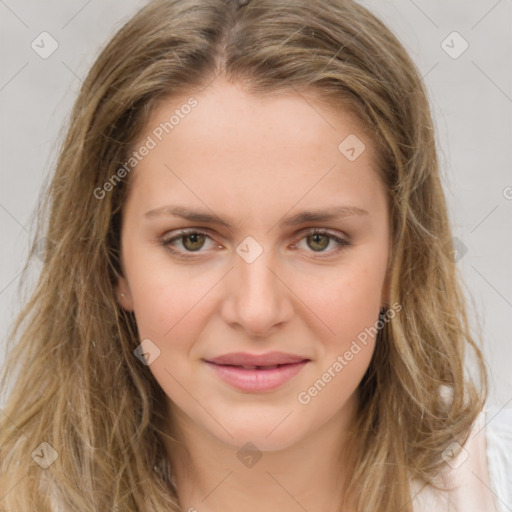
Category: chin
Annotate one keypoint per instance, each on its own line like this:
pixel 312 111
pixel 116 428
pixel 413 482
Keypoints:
pixel 265 433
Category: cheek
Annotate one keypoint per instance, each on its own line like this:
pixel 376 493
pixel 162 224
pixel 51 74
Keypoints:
pixel 346 299
pixel 169 300
pixel 349 305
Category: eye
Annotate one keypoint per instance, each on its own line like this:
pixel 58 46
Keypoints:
pixel 190 240
pixel 319 239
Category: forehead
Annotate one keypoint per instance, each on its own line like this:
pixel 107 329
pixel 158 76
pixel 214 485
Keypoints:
pixel 231 143
pixel 225 112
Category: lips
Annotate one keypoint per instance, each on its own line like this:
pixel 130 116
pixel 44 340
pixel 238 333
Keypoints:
pixel 262 361
pixel 257 373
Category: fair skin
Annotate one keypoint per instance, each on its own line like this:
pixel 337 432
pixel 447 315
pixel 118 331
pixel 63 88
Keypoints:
pixel 255 163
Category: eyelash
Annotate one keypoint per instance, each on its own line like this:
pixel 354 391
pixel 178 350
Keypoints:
pixel 167 241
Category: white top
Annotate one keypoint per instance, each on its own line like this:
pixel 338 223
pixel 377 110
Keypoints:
pixel 479 475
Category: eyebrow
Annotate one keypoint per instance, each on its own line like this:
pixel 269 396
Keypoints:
pixel 318 215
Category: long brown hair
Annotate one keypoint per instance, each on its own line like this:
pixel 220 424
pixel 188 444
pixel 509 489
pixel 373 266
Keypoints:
pixel 74 382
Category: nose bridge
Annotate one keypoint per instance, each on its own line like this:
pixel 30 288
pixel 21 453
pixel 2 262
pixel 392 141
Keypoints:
pixel 256 281
pixel 257 298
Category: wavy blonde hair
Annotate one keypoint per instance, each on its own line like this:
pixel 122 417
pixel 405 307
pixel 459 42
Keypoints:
pixel 75 381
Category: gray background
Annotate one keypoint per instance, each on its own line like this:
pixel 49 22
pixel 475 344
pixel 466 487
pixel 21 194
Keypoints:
pixel 471 98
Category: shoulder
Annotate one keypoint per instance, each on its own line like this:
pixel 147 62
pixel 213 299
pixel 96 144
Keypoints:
pixel 476 476
pixel 498 436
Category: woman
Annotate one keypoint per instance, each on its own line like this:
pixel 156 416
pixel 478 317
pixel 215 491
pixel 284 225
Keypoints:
pixel 249 297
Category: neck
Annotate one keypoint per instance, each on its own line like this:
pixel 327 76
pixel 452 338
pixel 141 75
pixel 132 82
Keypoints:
pixel 213 476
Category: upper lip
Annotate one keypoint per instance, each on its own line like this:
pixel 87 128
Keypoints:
pixel 268 359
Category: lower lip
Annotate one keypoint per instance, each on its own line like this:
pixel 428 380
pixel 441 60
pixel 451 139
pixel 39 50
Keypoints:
pixel 257 380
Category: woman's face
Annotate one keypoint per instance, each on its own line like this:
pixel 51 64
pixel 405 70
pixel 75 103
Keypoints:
pixel 251 278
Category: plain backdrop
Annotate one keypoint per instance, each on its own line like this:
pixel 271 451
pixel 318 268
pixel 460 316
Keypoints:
pixel 463 50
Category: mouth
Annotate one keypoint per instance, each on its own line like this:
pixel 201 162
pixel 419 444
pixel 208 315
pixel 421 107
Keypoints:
pixel 245 367
pixel 251 374
pixel 252 361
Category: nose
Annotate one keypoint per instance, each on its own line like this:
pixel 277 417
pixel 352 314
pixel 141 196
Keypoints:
pixel 257 299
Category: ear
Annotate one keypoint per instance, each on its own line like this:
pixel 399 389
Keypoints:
pixel 123 293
